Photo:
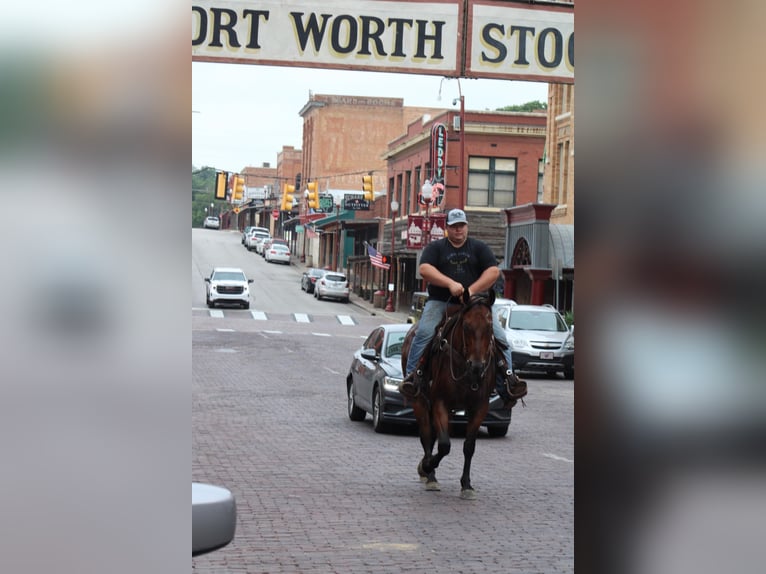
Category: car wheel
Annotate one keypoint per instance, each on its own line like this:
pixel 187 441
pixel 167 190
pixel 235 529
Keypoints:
pixel 210 303
pixel 246 305
pixel 377 412
pixel 552 374
pixel 354 412
pixel 497 430
pixel 569 374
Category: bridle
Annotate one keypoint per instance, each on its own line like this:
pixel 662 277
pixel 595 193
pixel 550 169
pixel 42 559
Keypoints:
pixel 449 329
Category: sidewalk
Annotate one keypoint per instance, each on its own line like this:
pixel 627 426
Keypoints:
pixel 354 299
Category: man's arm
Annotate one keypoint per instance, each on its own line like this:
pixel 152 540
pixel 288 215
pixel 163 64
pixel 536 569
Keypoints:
pixel 486 281
pixel 436 277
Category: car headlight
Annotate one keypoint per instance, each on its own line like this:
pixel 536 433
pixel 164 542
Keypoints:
pixel 569 345
pixel 519 344
pixel 391 383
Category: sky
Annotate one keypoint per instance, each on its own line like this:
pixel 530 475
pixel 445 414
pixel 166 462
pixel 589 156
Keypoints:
pixel 243 114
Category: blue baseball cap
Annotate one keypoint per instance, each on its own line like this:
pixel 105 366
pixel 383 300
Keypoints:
pixel 456 216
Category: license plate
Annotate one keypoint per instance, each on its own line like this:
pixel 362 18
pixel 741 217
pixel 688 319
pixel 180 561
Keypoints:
pixel 546 355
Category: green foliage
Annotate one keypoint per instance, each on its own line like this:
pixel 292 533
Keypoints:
pixel 535 106
pixel 569 318
pixel 203 194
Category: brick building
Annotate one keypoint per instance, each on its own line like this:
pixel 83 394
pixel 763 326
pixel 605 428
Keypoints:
pixel 496 166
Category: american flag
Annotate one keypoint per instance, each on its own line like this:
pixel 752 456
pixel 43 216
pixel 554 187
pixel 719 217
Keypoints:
pixel 375 258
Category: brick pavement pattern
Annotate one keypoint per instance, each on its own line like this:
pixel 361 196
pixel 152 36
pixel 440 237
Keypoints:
pixel 318 493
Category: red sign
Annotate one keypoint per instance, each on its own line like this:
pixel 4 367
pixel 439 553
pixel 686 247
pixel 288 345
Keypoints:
pixel 275 214
pixel 420 226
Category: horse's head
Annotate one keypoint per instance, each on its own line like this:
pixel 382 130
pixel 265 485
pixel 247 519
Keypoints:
pixel 476 330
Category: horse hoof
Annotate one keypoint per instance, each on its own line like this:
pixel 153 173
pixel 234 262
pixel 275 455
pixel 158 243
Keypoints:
pixel 423 476
pixel 468 494
pixel 433 486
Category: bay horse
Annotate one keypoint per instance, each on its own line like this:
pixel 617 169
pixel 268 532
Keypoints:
pixel 460 367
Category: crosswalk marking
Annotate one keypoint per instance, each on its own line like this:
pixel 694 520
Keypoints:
pixel 346 320
pixel 258 315
pixel 217 313
pixel 301 318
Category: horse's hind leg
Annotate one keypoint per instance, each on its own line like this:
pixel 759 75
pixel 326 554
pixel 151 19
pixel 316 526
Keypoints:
pixel 426 470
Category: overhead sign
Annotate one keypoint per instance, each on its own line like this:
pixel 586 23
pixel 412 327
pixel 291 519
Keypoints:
pixel 510 40
pixel 354 203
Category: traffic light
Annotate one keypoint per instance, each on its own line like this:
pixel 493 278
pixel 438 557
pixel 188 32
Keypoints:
pixel 384 259
pixel 238 188
pixel 312 198
pixel 367 187
pixel 220 184
pixel 287 197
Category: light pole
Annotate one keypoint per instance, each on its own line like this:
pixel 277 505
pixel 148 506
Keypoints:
pixel 392 286
pixel 305 225
pixel 337 236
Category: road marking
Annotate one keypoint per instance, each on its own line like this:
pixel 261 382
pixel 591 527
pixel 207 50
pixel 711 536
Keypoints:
pixel 301 318
pixel 258 315
pixel 272 332
pixel 225 330
pixel 345 320
pixel 217 313
pixel 555 457
pixel 322 334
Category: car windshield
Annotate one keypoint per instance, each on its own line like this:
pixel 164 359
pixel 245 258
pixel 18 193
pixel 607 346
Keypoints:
pixel 394 343
pixel 316 273
pixel 279 247
pixel 334 277
pixel 537 321
pixel 229 276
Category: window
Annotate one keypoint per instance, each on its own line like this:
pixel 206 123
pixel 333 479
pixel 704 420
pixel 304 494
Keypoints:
pixel 404 208
pixel 491 182
pixel 540 173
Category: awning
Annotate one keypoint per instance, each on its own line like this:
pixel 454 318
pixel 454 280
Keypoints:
pixel 561 245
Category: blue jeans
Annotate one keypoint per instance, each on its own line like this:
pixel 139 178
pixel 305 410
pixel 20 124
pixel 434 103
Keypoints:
pixel 433 312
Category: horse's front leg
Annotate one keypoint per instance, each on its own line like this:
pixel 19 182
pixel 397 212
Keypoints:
pixel 469 447
pixel 440 422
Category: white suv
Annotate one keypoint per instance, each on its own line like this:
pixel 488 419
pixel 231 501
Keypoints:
pixel 539 337
pixel 228 285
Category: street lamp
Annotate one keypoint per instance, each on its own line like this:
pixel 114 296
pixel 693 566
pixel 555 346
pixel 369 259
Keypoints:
pixel 392 286
pixel 337 235
pixel 305 226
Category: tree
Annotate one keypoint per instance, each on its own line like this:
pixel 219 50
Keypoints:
pixel 203 193
pixel 535 106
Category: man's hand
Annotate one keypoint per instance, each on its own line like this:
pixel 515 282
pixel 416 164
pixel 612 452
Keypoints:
pixel 456 289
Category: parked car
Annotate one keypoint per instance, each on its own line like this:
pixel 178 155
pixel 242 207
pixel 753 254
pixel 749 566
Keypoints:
pixel 245 231
pixel 228 285
pixel 309 278
pixel 211 222
pixel 372 386
pixel 278 253
pixel 251 241
pixel 332 285
pixel 214 517
pixel 539 337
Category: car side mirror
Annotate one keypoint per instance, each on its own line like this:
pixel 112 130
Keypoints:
pixel 214 517
pixel 207 279
pixel 370 354
pixel 250 280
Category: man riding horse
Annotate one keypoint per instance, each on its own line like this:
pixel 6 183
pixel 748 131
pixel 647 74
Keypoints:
pixel 452 265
